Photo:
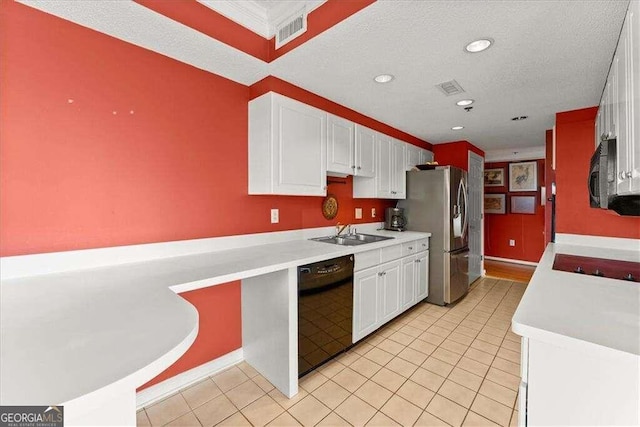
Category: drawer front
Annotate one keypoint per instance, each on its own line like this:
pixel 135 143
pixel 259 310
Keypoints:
pixel 409 248
pixel 390 253
pixel 366 259
pixel 422 244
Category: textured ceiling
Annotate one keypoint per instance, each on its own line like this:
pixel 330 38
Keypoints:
pixel 548 56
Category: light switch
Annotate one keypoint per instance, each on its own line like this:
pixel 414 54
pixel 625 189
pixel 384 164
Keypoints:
pixel 373 212
pixel 358 213
pixel 512 242
pixel 275 216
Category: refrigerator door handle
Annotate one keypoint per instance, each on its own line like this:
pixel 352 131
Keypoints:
pixel 464 221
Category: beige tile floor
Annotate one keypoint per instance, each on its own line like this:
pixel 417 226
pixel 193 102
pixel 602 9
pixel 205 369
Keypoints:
pixel 455 365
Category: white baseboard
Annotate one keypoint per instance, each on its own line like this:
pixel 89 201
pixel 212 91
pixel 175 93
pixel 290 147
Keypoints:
pixel 513 261
pixel 171 385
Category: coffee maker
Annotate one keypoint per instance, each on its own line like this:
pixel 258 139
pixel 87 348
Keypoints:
pixel 394 219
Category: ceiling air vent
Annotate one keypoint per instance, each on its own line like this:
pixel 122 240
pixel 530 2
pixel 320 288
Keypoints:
pixel 451 87
pixel 291 28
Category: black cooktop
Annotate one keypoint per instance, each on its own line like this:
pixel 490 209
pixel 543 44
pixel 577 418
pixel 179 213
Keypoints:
pixel 612 269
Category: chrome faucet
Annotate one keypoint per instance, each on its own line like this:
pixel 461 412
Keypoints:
pixel 340 228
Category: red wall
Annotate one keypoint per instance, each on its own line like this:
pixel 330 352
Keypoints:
pixel 455 153
pixel 575 145
pixel 169 164
pixel 527 230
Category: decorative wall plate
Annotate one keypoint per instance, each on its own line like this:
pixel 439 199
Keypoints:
pixel 330 206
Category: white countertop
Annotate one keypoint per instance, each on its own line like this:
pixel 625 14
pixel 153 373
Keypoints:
pixel 67 334
pixel 581 311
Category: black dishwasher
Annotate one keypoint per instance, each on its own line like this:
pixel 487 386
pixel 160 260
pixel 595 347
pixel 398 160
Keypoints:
pixel 325 311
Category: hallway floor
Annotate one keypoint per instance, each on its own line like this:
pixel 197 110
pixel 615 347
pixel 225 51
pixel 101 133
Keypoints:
pixel 455 365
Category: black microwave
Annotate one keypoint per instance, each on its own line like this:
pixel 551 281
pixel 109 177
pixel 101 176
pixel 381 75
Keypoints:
pixel 602 182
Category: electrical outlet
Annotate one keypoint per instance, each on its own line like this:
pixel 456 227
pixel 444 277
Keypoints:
pixel 373 212
pixel 275 216
pixel 358 213
pixel 512 242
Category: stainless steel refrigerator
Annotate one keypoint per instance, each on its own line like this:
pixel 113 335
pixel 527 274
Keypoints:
pixel 437 203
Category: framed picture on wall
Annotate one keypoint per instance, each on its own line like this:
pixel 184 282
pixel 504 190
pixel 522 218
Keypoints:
pixel 494 177
pixel 523 176
pixel 494 203
pixel 523 204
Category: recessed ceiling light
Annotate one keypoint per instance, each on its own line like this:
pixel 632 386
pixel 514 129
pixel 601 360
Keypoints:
pixel 478 45
pixel 457 128
pixel 465 102
pixel 515 119
pixel 383 78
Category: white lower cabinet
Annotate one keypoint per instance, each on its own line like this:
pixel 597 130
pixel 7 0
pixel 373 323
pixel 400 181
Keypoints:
pixel 415 274
pixel 572 385
pixel 389 275
pixel 381 292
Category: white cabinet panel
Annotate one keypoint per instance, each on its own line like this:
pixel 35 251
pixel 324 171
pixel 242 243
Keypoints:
pixel 365 303
pixel 422 276
pixel 389 279
pixel 365 152
pixel 340 145
pixel 414 157
pixel 425 156
pixel 408 282
pixel 633 94
pixel 398 172
pixel 287 147
pixel 384 176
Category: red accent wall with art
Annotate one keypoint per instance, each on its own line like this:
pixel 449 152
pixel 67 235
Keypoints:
pixel 575 145
pixel 526 229
pixel 455 153
pixel 107 144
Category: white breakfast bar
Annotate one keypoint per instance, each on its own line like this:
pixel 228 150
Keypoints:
pixel 84 329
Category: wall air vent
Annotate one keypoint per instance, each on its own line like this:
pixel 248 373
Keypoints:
pixel 451 87
pixel 291 28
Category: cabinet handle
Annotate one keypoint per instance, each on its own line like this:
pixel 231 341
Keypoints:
pixel 424 245
pixel 418 261
pixel 353 167
pixel 628 174
pixel 622 176
pixel 359 167
pixel 410 248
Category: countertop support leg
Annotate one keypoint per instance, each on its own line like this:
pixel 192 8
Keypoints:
pixel 270 327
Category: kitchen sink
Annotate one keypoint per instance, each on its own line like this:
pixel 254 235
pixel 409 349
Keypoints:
pixel 352 239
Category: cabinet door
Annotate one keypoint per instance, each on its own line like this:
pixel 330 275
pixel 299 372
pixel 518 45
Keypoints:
pixel 385 165
pixel 299 138
pixel 422 275
pixel 365 303
pixel 398 172
pixel 425 156
pixel 408 295
pixel 389 291
pixel 413 157
pixel 365 152
pixel 633 94
pixel 340 145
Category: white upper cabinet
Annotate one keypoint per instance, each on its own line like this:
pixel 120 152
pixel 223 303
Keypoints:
pixel 340 145
pixel 385 165
pixel 398 172
pixel 287 147
pixel 414 156
pixel 618 115
pixel 425 156
pixel 365 164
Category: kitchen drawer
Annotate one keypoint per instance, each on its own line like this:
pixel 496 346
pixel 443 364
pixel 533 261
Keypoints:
pixel 390 253
pixel 409 248
pixel 422 244
pixel 366 259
